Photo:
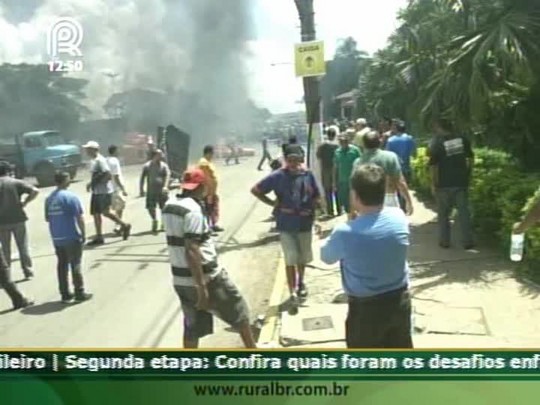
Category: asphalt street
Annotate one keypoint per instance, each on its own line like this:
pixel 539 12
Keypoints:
pixel 134 304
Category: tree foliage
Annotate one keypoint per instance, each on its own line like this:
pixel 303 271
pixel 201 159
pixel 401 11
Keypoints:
pixel 33 98
pixel 476 62
pixel 342 74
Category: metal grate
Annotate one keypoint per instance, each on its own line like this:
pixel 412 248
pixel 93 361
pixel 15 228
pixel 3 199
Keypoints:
pixel 317 323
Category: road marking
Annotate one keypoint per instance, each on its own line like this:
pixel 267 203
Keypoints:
pixel 268 335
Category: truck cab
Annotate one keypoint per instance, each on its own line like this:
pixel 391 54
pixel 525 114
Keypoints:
pixel 42 153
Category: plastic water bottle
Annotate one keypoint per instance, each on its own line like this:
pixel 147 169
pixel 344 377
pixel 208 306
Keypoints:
pixel 516 248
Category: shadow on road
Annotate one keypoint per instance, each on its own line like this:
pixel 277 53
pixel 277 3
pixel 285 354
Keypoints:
pixel 230 247
pixel 45 308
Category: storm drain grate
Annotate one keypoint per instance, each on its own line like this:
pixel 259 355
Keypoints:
pixel 317 323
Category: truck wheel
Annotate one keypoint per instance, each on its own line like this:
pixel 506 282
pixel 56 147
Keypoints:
pixel 45 175
pixel 73 173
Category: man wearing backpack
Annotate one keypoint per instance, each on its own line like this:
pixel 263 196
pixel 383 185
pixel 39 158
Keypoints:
pixel 297 198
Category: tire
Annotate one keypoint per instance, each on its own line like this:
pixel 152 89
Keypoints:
pixel 45 175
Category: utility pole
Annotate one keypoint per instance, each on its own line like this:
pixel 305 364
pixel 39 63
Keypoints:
pixel 312 96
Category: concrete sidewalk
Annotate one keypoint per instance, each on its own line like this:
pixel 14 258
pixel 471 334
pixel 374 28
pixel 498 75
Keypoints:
pixel 462 299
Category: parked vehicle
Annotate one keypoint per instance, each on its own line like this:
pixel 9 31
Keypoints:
pixel 41 154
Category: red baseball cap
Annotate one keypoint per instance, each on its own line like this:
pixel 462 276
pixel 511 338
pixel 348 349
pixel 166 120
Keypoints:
pixel 193 178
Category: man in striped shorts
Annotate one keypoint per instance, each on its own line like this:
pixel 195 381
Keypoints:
pixel 203 287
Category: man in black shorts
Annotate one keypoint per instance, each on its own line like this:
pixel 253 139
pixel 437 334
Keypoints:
pixel 203 287
pixel 102 191
pixel 156 174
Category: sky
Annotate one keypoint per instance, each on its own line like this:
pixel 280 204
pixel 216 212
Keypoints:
pixel 277 29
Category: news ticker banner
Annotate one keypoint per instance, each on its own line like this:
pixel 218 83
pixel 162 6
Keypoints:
pixel 273 364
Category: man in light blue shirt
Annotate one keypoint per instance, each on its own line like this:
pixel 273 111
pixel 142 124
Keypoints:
pixel 403 145
pixel 372 251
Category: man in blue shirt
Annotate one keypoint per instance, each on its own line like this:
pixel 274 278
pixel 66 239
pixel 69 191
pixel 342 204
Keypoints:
pixel 64 213
pixel 372 251
pixel 297 198
pixel 403 145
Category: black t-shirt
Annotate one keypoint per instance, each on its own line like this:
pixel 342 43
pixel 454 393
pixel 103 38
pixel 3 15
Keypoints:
pixel 450 154
pixel 11 190
pixel 326 153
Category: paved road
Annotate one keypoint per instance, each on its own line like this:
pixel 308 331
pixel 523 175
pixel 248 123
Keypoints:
pixel 134 303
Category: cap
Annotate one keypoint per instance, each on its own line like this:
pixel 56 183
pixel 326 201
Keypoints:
pixel 361 121
pixel 193 178
pixel 91 145
pixel 294 151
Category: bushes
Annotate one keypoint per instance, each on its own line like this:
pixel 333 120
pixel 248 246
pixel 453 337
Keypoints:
pixel 421 175
pixel 499 194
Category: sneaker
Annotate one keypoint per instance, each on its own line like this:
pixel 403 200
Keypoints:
pixel 293 305
pixel 96 242
pixel 117 230
pixel 83 297
pixel 126 231
pixel 444 245
pixel 67 299
pixel 471 246
pixel 302 291
pixel 217 228
pixel 25 304
pixel 155 226
pixel 28 275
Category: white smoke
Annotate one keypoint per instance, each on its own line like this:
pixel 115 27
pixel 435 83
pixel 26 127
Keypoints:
pixel 198 46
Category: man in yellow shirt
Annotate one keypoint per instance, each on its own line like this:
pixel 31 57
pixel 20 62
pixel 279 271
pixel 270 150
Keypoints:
pixel 212 200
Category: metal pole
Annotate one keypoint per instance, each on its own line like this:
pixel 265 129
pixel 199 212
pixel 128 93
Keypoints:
pixel 312 96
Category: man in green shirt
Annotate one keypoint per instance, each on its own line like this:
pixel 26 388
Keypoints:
pixel 344 160
pixel 389 161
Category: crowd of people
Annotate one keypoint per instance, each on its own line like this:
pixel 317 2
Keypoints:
pixel 365 173
pixel 65 216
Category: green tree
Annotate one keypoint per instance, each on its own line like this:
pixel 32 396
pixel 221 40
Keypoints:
pixel 342 74
pixel 33 98
pixel 473 61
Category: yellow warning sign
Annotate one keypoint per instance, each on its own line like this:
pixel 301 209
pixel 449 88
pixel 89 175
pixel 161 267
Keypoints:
pixel 309 59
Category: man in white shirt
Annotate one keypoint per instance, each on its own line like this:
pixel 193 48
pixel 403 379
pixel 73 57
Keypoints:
pixel 362 129
pixel 118 203
pixel 102 189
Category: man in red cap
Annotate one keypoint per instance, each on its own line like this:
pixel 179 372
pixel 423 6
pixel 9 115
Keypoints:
pixel 204 288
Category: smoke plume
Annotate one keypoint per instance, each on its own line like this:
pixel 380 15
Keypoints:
pixel 193 50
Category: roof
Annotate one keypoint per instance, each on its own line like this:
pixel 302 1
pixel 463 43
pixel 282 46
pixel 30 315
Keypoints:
pixel 348 95
pixel 39 133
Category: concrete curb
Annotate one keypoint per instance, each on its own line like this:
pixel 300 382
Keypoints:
pixel 269 336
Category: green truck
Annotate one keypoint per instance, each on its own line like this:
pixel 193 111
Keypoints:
pixel 41 154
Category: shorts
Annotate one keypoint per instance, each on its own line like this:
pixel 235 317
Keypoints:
pixel 226 303
pixel 296 247
pixel 100 203
pixel 344 196
pixel 154 200
pixel 118 201
pixel 391 200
